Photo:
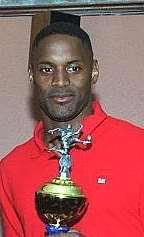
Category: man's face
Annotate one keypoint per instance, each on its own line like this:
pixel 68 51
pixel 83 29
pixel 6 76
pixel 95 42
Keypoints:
pixel 62 73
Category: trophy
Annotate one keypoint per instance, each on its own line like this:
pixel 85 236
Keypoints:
pixel 60 203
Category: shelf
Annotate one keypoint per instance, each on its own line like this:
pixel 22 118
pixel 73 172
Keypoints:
pixel 83 7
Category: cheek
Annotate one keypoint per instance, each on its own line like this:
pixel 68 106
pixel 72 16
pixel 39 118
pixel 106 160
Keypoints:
pixel 43 82
pixel 82 84
pixel 82 80
pixel 41 90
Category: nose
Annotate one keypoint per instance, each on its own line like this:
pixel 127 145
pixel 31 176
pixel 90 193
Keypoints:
pixel 60 78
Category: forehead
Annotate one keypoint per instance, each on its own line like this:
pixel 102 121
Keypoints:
pixel 58 46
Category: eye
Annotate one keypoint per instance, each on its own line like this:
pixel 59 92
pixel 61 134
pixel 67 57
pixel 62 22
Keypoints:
pixel 73 68
pixel 46 70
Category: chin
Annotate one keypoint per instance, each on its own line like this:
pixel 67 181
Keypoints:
pixel 61 118
pixel 63 113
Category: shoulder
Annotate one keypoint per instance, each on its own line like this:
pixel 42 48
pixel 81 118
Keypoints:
pixel 125 142
pixel 125 127
pixel 18 155
pixel 126 133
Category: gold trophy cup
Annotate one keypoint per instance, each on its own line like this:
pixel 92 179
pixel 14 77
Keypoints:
pixel 60 203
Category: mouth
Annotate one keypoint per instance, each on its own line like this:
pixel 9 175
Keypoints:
pixel 62 99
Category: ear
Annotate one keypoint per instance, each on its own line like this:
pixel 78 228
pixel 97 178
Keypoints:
pixel 95 71
pixel 30 72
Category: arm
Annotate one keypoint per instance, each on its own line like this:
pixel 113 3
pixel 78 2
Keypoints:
pixel 53 130
pixel 85 142
pixel 141 204
pixel 78 131
pixel 10 221
pixel 59 151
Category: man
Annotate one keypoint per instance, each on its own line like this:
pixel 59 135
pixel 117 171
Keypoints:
pixel 110 172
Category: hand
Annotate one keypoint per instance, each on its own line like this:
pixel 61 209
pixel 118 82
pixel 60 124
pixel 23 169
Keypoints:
pixel 66 235
pixel 69 234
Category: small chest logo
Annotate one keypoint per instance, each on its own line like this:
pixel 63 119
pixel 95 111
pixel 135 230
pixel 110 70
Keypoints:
pixel 101 180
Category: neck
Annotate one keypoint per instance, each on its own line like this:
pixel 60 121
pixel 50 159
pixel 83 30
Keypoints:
pixel 51 124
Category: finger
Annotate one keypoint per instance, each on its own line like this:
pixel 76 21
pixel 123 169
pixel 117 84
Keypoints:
pixel 69 234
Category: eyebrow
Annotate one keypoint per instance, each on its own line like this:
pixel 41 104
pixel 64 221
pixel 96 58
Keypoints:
pixel 45 62
pixel 50 63
pixel 74 61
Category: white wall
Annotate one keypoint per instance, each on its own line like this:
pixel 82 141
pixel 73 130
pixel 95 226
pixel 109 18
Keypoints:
pixel 118 43
pixel 15 122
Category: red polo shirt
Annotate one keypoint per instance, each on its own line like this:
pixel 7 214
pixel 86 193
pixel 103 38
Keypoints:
pixel 111 174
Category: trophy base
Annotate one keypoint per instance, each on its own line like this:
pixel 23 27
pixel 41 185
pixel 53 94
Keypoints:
pixel 53 229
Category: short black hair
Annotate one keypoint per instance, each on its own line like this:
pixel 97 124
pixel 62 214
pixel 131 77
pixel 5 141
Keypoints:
pixel 66 28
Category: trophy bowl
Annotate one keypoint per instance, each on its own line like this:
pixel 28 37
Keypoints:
pixel 60 203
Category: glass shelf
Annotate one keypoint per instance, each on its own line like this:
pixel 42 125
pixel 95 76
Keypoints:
pixel 60 3
pixel 79 7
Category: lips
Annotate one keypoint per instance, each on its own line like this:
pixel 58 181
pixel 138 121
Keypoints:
pixel 62 99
